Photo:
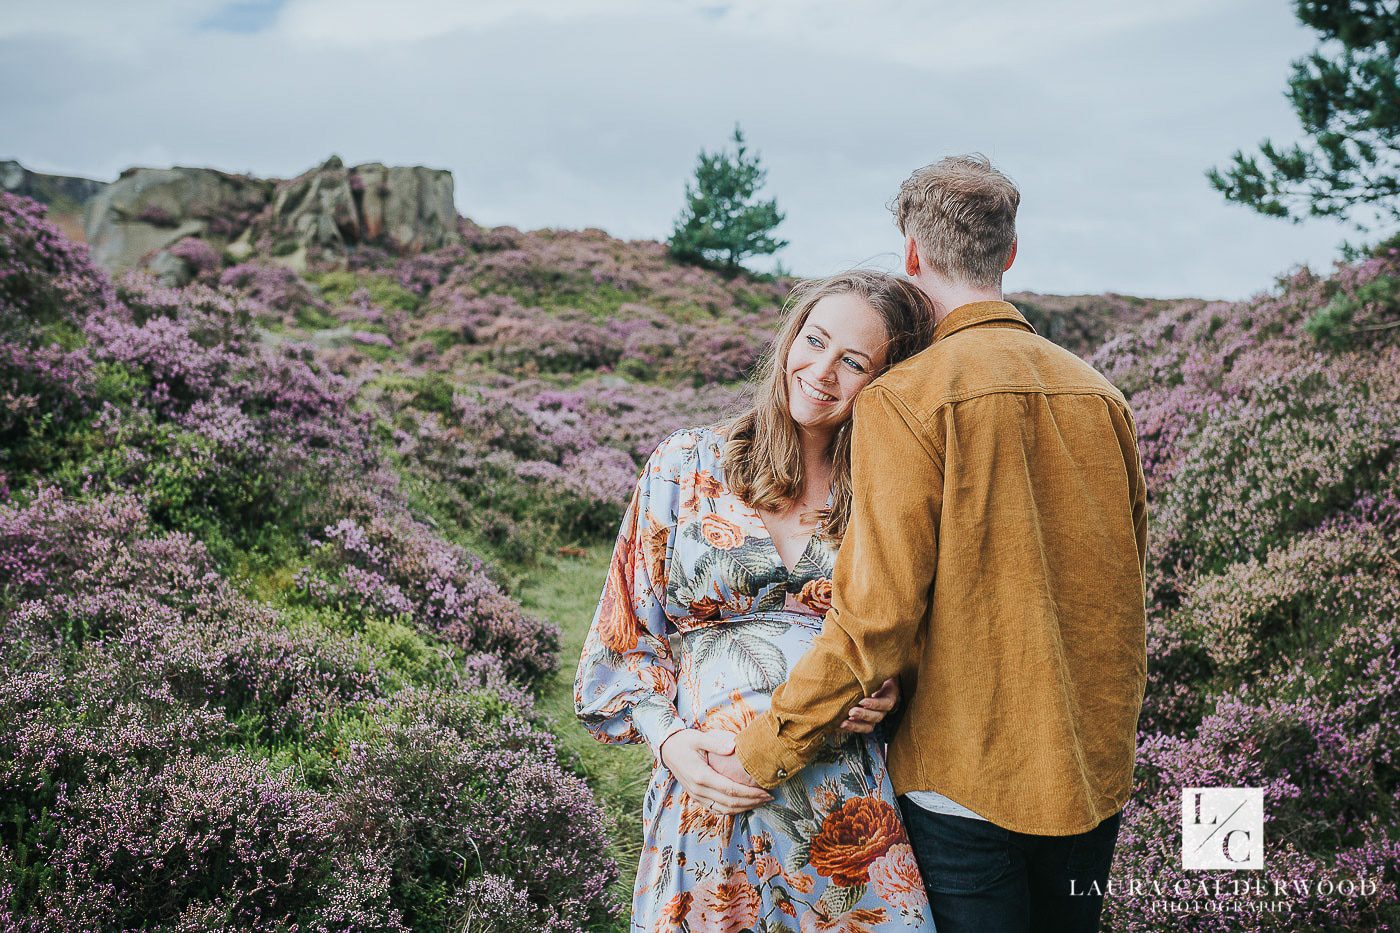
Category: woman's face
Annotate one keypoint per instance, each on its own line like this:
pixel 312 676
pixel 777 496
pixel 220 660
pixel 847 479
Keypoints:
pixel 840 348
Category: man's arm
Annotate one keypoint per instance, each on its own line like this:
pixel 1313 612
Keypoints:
pixel 1126 428
pixel 884 573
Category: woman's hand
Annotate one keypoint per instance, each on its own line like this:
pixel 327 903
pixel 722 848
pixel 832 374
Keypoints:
pixel 863 719
pixel 686 754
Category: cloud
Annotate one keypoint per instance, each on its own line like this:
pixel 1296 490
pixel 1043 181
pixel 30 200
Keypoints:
pixel 357 23
pixel 591 113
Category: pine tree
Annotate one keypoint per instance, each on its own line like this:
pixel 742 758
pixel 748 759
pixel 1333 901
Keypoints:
pixel 723 220
pixel 1347 95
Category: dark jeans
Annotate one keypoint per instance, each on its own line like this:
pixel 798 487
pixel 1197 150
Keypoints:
pixel 985 879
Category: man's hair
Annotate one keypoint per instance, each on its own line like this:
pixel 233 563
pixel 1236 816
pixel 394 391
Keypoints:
pixel 961 213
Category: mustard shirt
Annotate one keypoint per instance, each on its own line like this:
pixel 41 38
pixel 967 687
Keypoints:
pixel 995 561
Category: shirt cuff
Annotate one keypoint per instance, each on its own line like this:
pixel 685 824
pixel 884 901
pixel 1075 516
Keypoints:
pixel 768 759
pixel 656 719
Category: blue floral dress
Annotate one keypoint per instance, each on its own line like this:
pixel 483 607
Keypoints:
pixel 698 622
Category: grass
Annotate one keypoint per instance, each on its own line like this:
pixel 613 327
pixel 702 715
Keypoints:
pixel 567 593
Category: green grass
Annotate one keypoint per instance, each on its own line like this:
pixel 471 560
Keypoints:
pixel 568 594
pixel 337 286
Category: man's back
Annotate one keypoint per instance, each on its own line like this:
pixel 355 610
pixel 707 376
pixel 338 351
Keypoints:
pixel 995 559
pixel 1031 662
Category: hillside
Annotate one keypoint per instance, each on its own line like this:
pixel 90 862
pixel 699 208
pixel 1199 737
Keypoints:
pixel 264 531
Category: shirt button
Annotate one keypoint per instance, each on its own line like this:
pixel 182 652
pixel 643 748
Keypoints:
pixel 782 774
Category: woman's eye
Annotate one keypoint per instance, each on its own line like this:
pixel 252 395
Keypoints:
pixel 814 341
pixel 854 365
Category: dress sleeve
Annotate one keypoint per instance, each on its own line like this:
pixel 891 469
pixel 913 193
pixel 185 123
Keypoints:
pixel 625 689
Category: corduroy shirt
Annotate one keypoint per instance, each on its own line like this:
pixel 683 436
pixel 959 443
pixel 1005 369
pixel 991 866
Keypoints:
pixel 995 561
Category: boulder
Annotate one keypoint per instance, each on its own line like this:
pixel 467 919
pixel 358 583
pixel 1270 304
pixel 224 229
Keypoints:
pixel 65 195
pixel 323 211
pixel 148 209
pixel 55 190
pixel 169 269
pixel 408 209
pixel 315 210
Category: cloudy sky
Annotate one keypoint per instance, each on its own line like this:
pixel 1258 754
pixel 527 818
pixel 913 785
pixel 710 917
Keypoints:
pixel 578 113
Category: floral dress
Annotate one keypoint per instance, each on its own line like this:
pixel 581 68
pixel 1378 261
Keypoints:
pixel 699 621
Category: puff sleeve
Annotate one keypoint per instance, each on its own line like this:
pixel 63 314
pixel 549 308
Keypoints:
pixel 625 689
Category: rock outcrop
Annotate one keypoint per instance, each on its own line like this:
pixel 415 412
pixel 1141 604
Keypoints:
pixel 318 215
pixel 65 195
pixel 410 208
pixel 148 209
pixel 315 211
pixel 331 207
pixel 59 191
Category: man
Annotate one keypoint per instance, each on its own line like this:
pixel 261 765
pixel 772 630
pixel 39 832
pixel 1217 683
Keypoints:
pixel 995 562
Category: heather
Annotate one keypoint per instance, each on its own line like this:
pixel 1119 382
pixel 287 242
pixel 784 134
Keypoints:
pixel 264 539
pixel 236 662
pixel 1270 436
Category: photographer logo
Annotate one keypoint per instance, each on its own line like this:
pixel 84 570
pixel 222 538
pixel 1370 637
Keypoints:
pixel 1222 827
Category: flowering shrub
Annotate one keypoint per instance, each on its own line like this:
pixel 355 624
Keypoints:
pixel 460 792
pixel 202 839
pixel 1272 470
pixel 645 343
pixel 401 569
pixel 48 286
pixel 272 287
pixel 420 273
pixel 42 391
pixel 1258 613
pixel 157 216
pixel 152 711
pixel 559 462
pixel 45 278
pixel 198 256
pixel 1276 458
pixel 1329 815
pixel 127 665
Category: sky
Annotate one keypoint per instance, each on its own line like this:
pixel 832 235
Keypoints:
pixel 590 113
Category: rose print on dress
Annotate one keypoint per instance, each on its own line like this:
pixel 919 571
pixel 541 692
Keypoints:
pixel 725 902
pixel 816 595
pixel 707 486
pixel 852 836
pixel 720 533
pixel 617 624
pixel 895 879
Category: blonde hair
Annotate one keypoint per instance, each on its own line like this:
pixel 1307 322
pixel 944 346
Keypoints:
pixel 762 459
pixel 962 214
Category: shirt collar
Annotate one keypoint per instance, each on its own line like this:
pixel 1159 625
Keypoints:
pixel 980 312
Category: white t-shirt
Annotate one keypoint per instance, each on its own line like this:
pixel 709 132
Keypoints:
pixel 935 802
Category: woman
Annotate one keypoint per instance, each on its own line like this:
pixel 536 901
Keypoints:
pixel 719 582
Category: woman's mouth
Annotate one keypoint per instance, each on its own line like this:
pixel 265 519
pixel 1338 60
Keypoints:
pixel 814 394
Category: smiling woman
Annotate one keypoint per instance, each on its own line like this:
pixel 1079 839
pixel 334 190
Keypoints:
pixel 839 334
pixel 837 350
pixel 741 585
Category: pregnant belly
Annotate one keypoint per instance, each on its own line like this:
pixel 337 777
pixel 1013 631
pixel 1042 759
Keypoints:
pixel 727 672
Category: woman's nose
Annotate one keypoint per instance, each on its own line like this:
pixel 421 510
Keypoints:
pixel 826 369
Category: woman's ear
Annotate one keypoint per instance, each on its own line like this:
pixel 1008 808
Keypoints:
pixel 1012 258
pixel 911 257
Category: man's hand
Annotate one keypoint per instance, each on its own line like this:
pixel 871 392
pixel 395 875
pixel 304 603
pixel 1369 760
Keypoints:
pixel 704 764
pixel 863 719
pixel 729 766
